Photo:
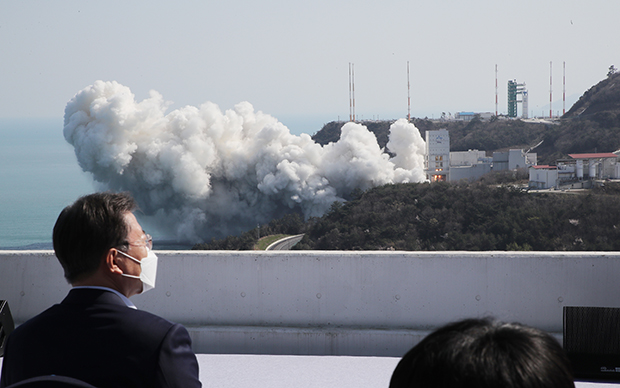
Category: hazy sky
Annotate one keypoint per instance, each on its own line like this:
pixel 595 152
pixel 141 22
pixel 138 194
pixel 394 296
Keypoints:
pixel 291 58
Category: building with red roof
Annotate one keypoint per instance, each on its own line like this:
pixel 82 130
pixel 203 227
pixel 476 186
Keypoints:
pixel 577 172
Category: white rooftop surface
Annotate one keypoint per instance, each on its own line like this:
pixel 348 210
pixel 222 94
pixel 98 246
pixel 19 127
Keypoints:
pixel 306 302
pixel 249 371
pixel 264 371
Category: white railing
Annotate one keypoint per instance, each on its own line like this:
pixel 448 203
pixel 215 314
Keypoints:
pixel 353 303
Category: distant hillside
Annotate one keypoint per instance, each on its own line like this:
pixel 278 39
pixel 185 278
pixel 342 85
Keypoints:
pixel 475 134
pixel 331 131
pixel 603 97
pixel 591 125
pixel 478 216
pixel 442 216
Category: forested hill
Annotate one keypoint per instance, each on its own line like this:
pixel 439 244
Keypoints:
pixel 478 216
pixel 591 125
pixel 443 216
pixel 601 102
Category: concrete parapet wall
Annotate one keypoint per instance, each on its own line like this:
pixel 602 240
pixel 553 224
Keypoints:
pixel 355 303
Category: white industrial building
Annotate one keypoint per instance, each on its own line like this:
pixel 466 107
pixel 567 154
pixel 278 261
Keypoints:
pixel 513 159
pixel 594 165
pixel 468 116
pixel 441 165
pixel 469 165
pixel 437 155
pixel 468 158
pixel 543 177
pixel 577 172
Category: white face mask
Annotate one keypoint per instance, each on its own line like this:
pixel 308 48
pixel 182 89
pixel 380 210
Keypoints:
pixel 149 270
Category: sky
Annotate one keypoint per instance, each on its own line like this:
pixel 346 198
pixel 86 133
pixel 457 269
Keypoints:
pixel 290 59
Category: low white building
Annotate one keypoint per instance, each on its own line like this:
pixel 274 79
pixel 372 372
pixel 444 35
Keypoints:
pixel 469 165
pixel 467 158
pixel 468 116
pixel 513 159
pixel 601 165
pixel 577 172
pixel 543 177
pixel 469 173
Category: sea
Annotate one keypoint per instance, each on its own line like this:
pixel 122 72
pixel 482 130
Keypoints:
pixel 40 175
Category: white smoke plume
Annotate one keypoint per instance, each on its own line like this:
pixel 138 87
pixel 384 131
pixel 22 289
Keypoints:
pixel 202 173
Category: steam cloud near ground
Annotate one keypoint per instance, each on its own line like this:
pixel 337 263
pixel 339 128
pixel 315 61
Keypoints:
pixel 200 172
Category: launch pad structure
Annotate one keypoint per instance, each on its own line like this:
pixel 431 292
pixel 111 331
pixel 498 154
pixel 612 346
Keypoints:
pixel 517 94
pixel 514 90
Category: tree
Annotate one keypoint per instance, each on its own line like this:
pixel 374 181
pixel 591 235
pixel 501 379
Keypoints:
pixel 612 71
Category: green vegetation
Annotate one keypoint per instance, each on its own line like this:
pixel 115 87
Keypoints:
pixel 288 225
pixel 491 214
pixel 264 242
pixel 443 216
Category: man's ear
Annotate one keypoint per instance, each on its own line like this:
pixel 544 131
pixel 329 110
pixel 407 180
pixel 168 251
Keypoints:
pixel 111 261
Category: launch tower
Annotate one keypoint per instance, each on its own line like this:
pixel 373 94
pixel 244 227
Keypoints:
pixel 515 89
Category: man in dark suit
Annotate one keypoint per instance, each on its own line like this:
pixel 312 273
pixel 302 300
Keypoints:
pixel 96 334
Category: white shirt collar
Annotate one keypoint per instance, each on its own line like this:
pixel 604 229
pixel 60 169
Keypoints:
pixel 123 297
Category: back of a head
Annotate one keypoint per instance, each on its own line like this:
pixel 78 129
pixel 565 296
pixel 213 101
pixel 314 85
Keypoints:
pixel 86 229
pixel 484 353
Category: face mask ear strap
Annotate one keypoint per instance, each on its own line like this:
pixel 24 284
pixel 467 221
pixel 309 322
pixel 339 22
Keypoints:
pixel 130 276
pixel 131 257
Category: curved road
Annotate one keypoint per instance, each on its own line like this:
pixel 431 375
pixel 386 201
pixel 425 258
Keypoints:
pixel 284 244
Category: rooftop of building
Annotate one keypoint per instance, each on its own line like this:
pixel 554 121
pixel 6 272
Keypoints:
pixel 599 155
pixel 266 371
pixel 333 318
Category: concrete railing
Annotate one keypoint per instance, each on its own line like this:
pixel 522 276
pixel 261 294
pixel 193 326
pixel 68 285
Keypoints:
pixel 353 303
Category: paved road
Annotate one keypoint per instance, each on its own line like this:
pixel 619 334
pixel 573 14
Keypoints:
pixel 284 244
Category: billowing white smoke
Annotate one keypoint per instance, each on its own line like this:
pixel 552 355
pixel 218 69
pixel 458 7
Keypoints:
pixel 203 173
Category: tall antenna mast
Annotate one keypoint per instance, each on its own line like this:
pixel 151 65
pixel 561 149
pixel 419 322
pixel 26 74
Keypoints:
pixel 550 89
pixel 496 90
pixel 353 87
pixel 350 103
pixel 563 88
pixel 408 95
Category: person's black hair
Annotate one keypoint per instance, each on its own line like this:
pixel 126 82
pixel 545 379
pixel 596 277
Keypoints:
pixel 484 353
pixel 87 229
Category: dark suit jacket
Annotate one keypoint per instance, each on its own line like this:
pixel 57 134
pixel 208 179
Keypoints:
pixel 93 336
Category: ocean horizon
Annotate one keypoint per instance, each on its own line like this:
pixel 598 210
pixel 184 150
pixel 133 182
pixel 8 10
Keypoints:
pixel 40 175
